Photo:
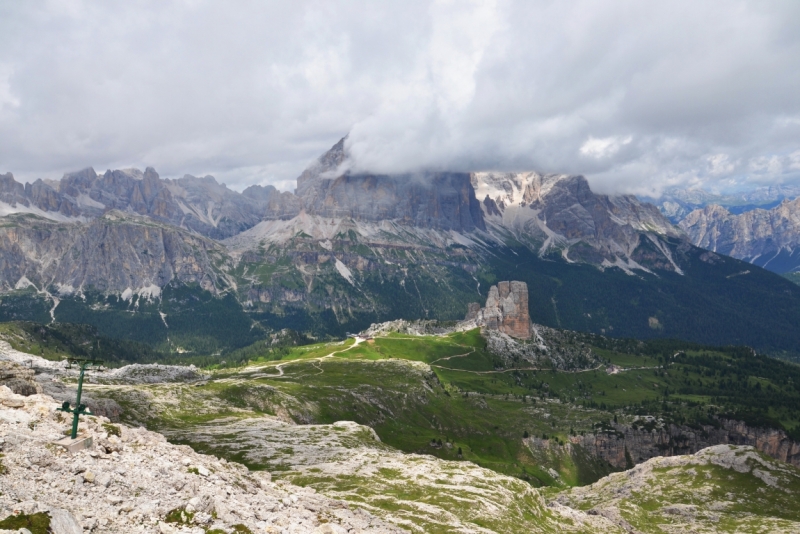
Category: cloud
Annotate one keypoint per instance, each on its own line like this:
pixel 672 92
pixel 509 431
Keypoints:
pixel 636 95
pixel 602 148
pixel 7 98
pixel 720 165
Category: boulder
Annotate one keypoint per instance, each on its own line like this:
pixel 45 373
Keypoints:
pixel 63 522
pixel 19 379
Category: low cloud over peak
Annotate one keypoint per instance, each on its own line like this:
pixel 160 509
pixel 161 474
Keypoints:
pixel 637 96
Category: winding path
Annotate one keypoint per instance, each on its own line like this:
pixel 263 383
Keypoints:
pixel 315 361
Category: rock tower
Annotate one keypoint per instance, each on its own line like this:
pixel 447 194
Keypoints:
pixel 506 310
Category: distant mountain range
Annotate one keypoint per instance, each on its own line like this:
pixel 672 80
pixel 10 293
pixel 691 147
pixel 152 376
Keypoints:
pixel 191 266
pixel 761 226
pixel 677 203
pixel 767 238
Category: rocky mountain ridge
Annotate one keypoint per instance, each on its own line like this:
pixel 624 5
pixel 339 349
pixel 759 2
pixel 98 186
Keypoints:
pixel 119 253
pixel 767 238
pixel 198 204
pixel 346 250
pixel 677 203
pixel 557 212
pixel 429 210
pixel 130 233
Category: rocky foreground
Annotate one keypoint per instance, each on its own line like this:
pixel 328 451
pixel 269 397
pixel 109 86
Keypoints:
pixel 133 480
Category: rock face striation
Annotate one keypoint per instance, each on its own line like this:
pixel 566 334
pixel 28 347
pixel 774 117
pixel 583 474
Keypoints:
pixel 558 213
pixel 767 238
pixel 506 310
pixel 622 444
pixel 113 253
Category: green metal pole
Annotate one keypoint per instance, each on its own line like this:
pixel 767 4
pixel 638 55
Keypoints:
pixel 76 413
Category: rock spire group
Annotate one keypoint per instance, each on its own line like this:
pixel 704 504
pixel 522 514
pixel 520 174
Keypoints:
pixel 506 310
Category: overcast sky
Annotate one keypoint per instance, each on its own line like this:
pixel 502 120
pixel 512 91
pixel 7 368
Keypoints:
pixel 635 95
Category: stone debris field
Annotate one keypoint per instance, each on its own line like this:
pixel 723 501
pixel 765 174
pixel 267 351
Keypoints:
pixel 133 480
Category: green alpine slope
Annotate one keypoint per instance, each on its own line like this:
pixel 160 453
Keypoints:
pixel 429 433
pixel 448 396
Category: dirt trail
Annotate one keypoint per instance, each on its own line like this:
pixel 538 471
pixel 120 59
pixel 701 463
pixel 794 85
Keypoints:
pixel 513 369
pixel 279 367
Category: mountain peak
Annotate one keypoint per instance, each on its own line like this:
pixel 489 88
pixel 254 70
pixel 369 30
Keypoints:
pixel 329 161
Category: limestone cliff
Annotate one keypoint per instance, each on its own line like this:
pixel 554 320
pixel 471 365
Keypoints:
pixel 621 444
pixel 115 253
pixel 560 214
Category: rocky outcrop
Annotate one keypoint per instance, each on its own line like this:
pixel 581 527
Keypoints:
pixel 154 373
pixel 506 310
pixel 721 488
pixel 767 238
pixel 548 349
pixel 18 379
pixel 621 444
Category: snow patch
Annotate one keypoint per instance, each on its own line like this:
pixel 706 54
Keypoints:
pixel 7 209
pixel 345 272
